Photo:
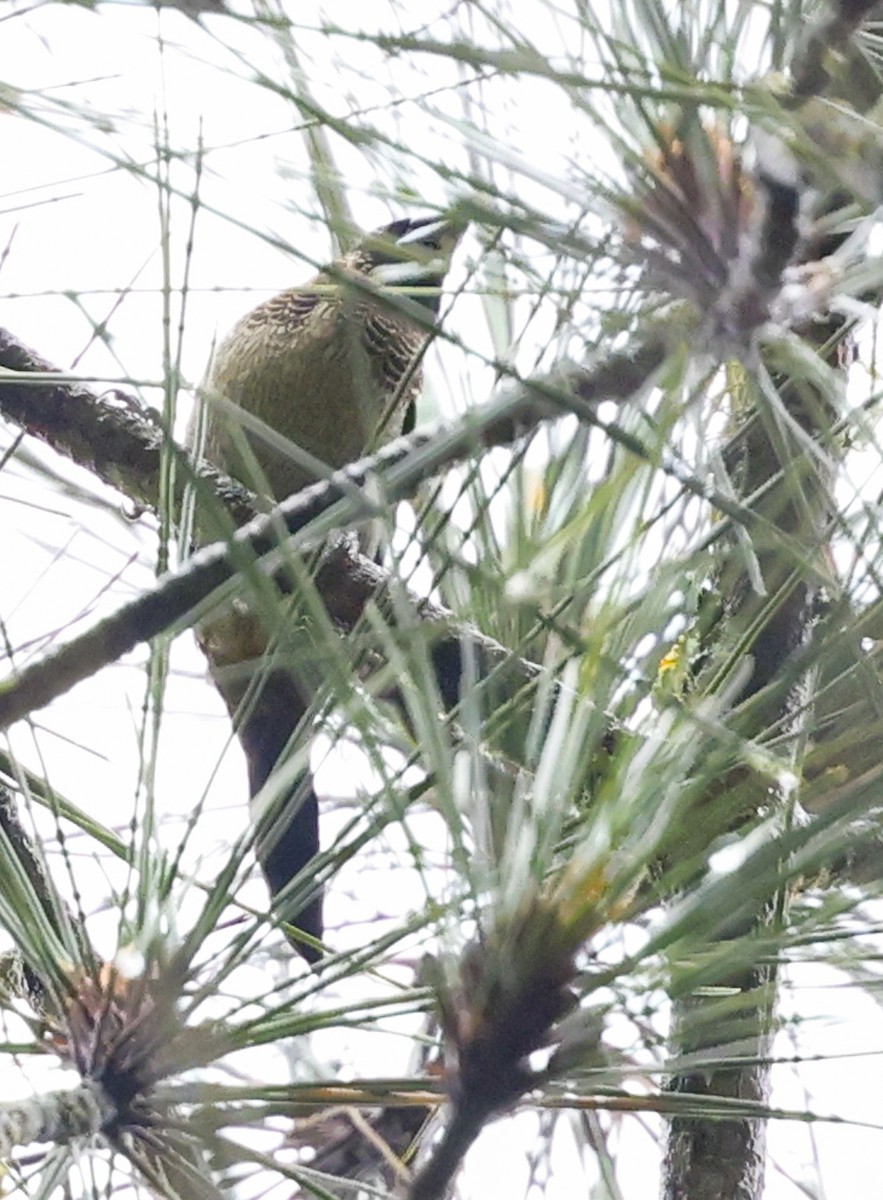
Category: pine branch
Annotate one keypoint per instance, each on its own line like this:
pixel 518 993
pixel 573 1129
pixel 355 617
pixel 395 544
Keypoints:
pixel 122 447
pixel 72 1115
pixel 706 1159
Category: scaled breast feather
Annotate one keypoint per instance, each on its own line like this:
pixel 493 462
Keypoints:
pixel 291 309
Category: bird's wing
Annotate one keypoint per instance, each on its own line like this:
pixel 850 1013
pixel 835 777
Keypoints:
pixel 392 344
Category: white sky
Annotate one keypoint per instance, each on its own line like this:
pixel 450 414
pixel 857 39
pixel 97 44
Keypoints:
pixel 84 228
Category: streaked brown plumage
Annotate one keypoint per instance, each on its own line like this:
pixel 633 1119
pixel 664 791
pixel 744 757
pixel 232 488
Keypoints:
pixel 321 364
pixel 336 371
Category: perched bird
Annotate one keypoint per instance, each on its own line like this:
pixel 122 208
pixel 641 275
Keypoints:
pixel 329 366
pixel 311 379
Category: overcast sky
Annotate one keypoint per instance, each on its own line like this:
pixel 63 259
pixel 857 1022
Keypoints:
pixel 83 239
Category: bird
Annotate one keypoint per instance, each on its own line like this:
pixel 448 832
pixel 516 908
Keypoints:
pixel 330 366
pixel 305 383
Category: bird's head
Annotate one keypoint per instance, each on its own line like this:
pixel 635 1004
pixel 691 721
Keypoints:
pixel 409 253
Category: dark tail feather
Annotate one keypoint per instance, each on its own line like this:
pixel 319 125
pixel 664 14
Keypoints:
pixel 289 835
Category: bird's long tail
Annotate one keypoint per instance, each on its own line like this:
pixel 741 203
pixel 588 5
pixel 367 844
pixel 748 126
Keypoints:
pixel 288 833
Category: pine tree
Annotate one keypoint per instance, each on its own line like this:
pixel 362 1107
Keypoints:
pixel 594 738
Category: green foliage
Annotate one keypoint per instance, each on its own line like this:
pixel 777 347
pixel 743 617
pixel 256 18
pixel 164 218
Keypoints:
pixel 613 824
